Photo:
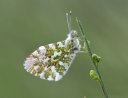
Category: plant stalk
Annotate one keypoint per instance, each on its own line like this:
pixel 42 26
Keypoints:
pixel 94 63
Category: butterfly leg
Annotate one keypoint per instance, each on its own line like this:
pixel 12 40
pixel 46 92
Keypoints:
pixel 83 45
pixel 83 49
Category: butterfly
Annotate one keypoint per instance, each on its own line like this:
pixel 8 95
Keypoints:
pixel 51 62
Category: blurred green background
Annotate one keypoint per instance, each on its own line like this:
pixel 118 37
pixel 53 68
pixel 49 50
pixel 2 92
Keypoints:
pixel 27 24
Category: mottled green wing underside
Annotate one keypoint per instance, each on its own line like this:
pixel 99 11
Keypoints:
pixel 50 62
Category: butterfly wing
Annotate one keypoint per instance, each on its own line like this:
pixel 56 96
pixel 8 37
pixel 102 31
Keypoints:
pixel 50 62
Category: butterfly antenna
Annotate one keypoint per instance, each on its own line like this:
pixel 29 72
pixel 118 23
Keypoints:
pixel 70 21
pixel 69 18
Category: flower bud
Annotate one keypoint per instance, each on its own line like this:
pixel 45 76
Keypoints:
pixel 96 58
pixel 94 75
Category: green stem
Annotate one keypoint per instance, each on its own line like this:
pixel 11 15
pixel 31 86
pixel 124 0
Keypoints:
pixel 95 65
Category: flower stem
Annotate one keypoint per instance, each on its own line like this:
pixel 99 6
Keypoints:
pixel 94 63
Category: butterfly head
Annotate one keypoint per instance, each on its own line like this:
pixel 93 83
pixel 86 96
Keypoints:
pixel 73 34
pixel 73 39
